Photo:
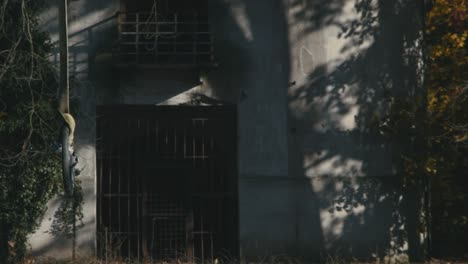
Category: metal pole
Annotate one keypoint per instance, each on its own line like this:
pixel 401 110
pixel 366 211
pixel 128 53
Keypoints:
pixel 64 82
pixel 74 225
pixel 64 95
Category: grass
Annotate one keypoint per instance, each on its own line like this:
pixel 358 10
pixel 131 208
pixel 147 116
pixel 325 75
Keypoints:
pixel 266 260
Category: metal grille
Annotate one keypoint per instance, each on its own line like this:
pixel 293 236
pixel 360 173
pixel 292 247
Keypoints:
pixel 177 39
pixel 166 234
pixel 166 182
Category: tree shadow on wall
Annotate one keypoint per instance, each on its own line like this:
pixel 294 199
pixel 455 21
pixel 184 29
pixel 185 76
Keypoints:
pixel 335 112
pixel 356 206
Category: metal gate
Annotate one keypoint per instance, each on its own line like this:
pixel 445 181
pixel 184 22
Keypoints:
pixel 166 180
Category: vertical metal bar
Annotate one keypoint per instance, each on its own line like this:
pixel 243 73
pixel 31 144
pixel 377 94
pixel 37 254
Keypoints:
pixel 156 148
pixel 109 211
pixel 138 200
pixel 100 155
pixel 201 237
pixel 222 223
pixel 175 139
pixel 129 196
pixel 122 17
pixel 175 252
pixel 211 41
pixel 189 241
pixel 119 168
pixel 212 250
pixel 185 138
pixel 145 194
pixel 195 38
pixel 194 153
pixel 101 163
pixel 106 251
pixel 156 36
pixel 203 139
pixel 175 33
pixel 137 37
pixel 64 74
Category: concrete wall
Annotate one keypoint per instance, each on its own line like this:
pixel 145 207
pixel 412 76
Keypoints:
pixel 348 59
pixel 308 77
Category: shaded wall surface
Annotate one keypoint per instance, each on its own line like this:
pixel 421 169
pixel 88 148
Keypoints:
pixel 308 78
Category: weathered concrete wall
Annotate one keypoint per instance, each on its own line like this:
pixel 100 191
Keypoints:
pixel 335 64
pixel 348 58
pixel 308 77
pixel 253 54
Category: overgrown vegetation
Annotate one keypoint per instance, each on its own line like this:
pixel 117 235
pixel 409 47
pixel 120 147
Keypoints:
pixel 436 129
pixel 29 124
pixel 69 216
pixel 447 86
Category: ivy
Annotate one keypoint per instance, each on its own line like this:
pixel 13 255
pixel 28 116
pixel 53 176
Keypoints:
pixel 69 216
pixel 30 170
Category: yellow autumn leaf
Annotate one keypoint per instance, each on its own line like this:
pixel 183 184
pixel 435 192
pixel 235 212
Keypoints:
pixel 461 138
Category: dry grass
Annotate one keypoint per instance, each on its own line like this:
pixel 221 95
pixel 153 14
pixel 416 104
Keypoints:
pixel 266 260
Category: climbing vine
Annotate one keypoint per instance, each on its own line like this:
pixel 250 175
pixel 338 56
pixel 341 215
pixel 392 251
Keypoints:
pixel 29 124
pixel 69 216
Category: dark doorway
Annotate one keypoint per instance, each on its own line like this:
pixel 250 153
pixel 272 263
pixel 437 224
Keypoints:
pixel 167 184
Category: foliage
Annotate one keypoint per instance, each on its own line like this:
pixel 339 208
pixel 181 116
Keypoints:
pixel 447 86
pixel 432 131
pixel 69 216
pixel 435 133
pixel 29 166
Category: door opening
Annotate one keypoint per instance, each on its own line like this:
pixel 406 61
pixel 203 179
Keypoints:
pixel 167 184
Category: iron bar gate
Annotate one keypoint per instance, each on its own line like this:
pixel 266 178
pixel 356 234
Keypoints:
pixel 167 186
